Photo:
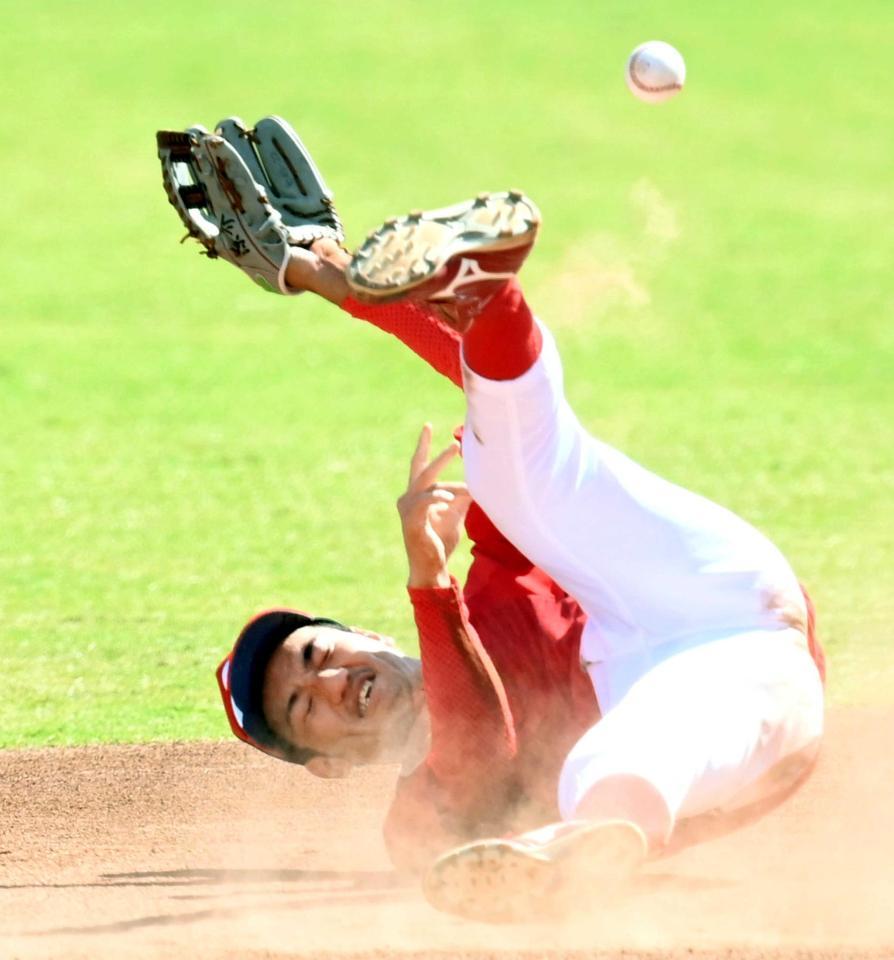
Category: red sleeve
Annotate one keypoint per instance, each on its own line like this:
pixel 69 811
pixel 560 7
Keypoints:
pixel 471 723
pixel 420 328
pixel 464 786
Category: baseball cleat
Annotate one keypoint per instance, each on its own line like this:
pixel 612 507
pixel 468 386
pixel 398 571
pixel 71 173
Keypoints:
pixel 461 253
pixel 536 874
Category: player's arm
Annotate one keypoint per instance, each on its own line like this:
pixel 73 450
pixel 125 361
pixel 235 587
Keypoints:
pixel 321 270
pixel 465 696
pixel 466 783
pixel 469 763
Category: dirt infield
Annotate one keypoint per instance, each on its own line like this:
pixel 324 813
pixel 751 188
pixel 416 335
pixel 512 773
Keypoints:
pixel 212 851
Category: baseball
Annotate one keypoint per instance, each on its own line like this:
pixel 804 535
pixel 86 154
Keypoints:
pixel 656 71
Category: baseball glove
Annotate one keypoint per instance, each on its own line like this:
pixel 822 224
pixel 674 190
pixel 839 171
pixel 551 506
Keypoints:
pixel 248 196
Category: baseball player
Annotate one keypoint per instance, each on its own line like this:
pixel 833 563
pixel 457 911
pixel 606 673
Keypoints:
pixel 626 658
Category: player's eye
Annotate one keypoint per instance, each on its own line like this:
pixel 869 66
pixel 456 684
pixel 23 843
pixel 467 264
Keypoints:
pixel 307 653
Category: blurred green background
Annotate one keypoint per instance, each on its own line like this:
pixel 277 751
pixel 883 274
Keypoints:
pixel 179 448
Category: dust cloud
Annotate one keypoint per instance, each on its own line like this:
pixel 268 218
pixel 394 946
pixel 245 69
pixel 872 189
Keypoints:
pixel 209 850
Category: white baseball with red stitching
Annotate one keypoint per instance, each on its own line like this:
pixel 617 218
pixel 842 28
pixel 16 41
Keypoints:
pixel 656 71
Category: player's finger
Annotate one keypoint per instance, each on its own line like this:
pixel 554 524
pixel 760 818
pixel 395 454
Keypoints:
pixel 416 504
pixel 413 500
pixel 427 476
pixel 458 488
pixel 457 491
pixel 420 454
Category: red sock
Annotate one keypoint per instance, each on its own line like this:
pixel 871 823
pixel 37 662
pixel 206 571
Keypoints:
pixel 503 341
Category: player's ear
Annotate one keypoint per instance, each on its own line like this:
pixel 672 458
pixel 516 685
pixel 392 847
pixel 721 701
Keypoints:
pixel 329 768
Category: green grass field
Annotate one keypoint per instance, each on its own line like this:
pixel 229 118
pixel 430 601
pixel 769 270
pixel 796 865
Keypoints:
pixel 179 448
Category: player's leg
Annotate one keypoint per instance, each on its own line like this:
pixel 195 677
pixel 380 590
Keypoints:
pixel 691 724
pixel 703 688
pixel 720 725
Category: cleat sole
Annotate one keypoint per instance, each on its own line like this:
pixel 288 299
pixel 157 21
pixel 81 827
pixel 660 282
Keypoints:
pixel 426 241
pixel 503 881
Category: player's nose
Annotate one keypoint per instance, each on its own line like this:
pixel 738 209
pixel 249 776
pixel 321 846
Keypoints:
pixel 332 683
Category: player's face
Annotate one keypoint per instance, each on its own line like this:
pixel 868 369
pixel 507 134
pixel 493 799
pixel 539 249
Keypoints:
pixel 342 694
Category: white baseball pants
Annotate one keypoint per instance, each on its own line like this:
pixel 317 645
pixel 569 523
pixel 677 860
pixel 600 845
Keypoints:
pixel 703 685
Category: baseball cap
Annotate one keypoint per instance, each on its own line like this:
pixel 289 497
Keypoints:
pixel 240 677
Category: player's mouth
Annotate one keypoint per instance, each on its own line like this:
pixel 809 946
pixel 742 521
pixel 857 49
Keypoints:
pixel 363 696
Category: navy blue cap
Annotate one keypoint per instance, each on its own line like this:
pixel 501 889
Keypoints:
pixel 241 678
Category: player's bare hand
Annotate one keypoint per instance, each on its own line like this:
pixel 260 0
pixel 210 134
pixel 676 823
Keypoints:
pixel 431 514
